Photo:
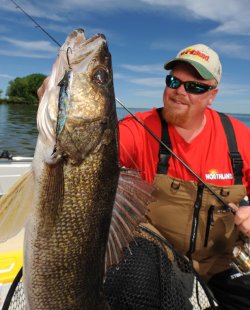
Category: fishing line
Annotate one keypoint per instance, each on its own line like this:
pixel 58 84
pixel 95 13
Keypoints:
pixel 225 206
pixel 36 23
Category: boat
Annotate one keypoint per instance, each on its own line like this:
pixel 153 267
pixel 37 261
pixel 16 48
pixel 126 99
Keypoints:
pixel 11 251
pixel 11 168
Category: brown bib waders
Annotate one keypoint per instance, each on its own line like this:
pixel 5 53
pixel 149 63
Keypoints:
pixel 189 216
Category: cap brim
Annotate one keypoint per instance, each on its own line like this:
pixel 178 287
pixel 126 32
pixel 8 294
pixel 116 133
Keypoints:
pixel 204 73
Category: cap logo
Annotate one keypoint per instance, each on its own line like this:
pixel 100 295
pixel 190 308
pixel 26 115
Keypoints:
pixel 196 53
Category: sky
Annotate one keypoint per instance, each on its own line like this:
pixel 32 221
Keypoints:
pixel 142 35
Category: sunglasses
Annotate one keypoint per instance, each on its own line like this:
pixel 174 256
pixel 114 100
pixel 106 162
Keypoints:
pixel 191 87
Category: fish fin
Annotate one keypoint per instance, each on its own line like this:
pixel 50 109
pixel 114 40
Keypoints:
pixel 15 206
pixel 52 186
pixel 132 198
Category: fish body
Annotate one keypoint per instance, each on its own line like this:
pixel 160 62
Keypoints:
pixel 76 173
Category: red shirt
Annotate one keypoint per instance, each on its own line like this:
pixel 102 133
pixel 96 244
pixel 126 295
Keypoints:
pixel 207 154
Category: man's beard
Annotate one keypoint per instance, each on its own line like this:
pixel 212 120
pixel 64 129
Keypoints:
pixel 173 117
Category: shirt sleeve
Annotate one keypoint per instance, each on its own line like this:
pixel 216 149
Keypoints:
pixel 138 149
pixel 127 143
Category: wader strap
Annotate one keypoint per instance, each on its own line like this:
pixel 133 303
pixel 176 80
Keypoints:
pixel 164 154
pixel 236 159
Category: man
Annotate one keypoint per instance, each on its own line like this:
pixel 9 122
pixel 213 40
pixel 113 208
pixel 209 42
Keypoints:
pixel 186 213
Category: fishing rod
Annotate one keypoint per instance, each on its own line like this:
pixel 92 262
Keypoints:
pixel 225 206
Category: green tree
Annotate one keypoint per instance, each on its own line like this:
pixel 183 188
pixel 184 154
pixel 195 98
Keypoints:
pixel 1 92
pixel 24 90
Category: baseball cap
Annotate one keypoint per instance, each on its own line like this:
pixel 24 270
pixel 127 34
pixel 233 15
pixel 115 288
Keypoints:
pixel 204 59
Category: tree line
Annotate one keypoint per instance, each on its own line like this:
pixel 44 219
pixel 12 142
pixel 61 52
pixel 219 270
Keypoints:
pixel 23 90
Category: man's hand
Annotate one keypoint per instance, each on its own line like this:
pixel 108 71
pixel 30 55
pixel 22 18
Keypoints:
pixel 42 88
pixel 242 219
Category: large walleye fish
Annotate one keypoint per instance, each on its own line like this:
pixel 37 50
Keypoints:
pixel 68 196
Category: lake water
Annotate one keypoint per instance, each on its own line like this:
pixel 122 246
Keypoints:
pixel 18 131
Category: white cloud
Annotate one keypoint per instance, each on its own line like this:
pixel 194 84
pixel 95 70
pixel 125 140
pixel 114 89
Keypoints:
pixel 44 46
pixel 231 49
pixel 155 68
pixel 32 49
pixel 228 89
pixel 42 9
pixel 119 76
pixel 100 5
pixel 159 45
pixel 232 16
pixel 149 82
pixel 6 76
pixel 149 93
pixel 25 54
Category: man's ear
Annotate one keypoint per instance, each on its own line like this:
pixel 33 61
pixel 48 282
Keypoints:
pixel 214 92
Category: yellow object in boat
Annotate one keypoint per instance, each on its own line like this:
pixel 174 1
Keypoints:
pixel 10 264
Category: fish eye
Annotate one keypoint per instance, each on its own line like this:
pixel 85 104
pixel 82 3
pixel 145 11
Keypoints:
pixel 101 76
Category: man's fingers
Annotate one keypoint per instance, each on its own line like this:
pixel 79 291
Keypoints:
pixel 241 215
pixel 233 206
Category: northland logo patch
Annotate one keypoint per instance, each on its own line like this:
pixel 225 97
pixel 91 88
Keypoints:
pixel 214 174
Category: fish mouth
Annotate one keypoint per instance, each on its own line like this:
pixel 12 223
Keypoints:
pixel 78 35
pixel 74 47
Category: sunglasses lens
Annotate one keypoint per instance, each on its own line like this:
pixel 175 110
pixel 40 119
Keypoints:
pixel 172 82
pixel 196 88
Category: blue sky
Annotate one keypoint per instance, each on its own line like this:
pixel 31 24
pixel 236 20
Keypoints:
pixel 142 36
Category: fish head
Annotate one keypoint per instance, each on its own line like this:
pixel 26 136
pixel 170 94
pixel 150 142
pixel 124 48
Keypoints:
pixel 77 112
